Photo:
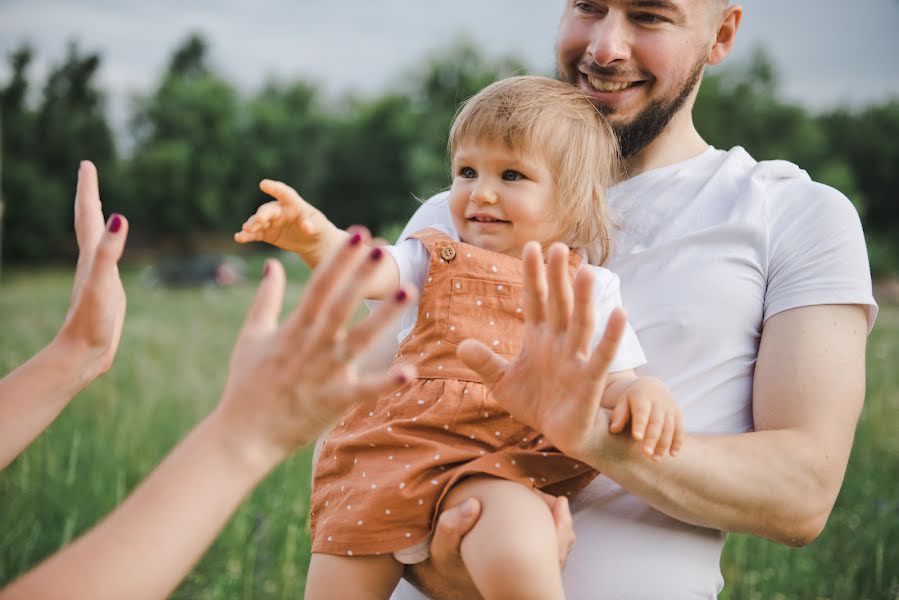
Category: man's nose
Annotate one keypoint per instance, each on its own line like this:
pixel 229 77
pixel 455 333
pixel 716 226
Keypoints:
pixel 610 41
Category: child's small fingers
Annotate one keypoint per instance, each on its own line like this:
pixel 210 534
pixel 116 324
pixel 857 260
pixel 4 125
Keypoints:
pixel 244 237
pixel 266 213
pixel 640 410
pixel 307 227
pixel 286 196
pixel 664 445
pixel 678 440
pixel 620 415
pixel 653 432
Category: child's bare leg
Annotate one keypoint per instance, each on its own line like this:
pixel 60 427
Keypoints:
pixel 512 551
pixel 333 577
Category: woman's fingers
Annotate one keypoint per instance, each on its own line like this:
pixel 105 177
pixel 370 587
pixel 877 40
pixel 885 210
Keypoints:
pixel 360 336
pixel 372 387
pixel 263 313
pixel 88 210
pixel 89 224
pixel 348 293
pixel 324 283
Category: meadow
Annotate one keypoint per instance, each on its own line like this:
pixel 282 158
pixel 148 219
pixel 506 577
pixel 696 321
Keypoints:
pixel 171 368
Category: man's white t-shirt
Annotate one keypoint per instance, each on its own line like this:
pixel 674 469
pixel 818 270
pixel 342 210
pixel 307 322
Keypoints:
pixel 413 261
pixel 708 249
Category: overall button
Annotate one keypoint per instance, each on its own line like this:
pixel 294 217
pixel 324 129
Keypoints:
pixel 448 253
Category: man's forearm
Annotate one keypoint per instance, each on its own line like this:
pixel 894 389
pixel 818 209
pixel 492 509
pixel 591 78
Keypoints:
pixel 769 483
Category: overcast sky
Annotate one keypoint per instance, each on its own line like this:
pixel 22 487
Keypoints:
pixel 828 52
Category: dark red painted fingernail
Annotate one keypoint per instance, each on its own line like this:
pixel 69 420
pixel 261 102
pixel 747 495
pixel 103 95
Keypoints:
pixel 115 223
pixel 401 296
pixel 376 254
pixel 266 269
pixel 402 378
pixel 355 239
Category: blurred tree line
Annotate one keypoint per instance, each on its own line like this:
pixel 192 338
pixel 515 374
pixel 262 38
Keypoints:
pixel 198 147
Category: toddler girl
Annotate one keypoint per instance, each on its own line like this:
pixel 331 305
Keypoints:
pixel 530 160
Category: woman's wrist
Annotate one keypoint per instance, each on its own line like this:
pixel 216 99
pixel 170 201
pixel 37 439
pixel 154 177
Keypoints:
pixel 73 365
pixel 247 449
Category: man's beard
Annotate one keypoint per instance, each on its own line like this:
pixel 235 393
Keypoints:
pixel 634 135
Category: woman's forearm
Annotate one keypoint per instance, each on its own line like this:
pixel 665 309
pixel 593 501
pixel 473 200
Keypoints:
pixel 36 392
pixel 149 543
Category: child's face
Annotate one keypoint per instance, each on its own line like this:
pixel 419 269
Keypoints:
pixel 500 200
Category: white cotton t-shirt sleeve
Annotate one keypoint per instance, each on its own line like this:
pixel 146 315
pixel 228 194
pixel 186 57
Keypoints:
pixel 606 298
pixel 411 256
pixel 816 250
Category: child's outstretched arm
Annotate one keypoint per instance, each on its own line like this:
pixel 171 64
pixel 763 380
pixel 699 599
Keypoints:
pixel 647 404
pixel 292 224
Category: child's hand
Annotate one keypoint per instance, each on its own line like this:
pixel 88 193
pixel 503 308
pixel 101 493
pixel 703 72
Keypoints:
pixel 655 417
pixel 289 223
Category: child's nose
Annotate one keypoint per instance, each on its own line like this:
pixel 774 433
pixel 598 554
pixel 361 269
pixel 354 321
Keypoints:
pixel 483 194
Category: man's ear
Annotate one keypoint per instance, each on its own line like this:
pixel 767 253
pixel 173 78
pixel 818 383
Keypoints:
pixel 726 33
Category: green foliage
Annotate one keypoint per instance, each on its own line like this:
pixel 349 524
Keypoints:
pixel 868 141
pixel 184 164
pixel 42 148
pixel 198 148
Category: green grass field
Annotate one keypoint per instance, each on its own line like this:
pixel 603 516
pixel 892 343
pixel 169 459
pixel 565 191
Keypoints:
pixel 168 374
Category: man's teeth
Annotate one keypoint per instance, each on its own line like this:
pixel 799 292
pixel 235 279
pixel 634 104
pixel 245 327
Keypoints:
pixel 608 86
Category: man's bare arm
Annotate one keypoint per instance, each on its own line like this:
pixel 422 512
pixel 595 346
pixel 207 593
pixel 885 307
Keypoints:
pixel 780 481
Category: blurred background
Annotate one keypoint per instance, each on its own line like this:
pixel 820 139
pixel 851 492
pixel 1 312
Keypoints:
pixel 185 106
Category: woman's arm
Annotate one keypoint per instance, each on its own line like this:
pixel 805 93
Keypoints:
pixel 285 384
pixel 35 393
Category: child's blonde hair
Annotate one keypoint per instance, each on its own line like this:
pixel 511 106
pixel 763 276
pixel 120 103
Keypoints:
pixel 555 122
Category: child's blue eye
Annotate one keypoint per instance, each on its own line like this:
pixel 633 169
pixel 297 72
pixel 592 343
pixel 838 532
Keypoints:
pixel 510 175
pixel 467 173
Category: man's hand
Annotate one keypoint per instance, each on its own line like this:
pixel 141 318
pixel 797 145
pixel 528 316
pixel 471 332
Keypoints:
pixel 444 576
pixel 555 385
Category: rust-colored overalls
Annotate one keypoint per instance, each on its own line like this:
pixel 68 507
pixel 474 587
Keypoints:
pixel 384 470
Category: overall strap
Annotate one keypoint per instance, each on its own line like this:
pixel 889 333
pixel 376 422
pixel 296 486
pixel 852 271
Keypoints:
pixel 430 237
